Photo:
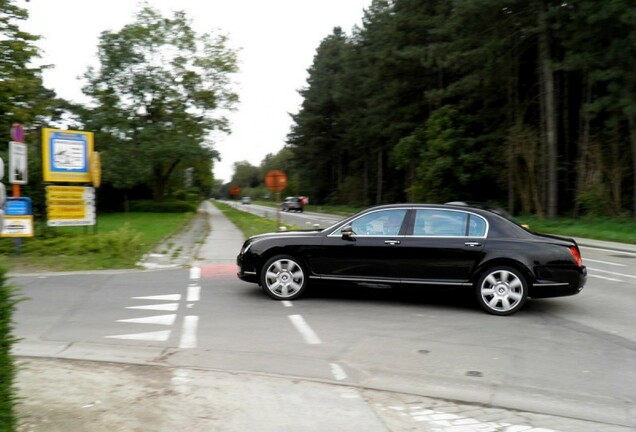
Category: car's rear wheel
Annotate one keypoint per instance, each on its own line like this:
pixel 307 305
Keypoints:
pixel 283 277
pixel 502 290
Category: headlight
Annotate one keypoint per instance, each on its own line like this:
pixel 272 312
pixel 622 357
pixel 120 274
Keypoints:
pixel 246 247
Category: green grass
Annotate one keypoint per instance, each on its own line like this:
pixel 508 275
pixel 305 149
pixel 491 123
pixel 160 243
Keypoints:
pixel 120 241
pixel 621 230
pixel 248 223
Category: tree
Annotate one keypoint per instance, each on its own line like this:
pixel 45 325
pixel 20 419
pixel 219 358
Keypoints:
pixel 158 93
pixel 23 98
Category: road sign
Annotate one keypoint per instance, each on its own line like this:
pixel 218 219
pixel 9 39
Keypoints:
pixel 17 226
pixel 96 169
pixel 276 180
pixel 19 206
pixel 17 132
pixel 70 206
pixel 18 163
pixel 235 190
pixel 65 155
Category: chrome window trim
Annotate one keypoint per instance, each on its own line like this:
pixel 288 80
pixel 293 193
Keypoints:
pixel 336 232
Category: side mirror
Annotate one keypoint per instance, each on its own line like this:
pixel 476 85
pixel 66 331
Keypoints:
pixel 347 232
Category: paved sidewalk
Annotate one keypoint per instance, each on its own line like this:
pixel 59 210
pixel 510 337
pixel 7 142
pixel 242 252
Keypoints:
pixel 224 241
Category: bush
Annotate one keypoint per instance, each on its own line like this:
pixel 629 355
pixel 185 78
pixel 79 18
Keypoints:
pixel 7 366
pixel 148 206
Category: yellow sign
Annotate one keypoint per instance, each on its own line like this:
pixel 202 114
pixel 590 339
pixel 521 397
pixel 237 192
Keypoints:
pixel 96 169
pixel 65 155
pixel 70 205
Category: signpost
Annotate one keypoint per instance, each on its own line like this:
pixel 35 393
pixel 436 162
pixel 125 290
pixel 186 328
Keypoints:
pixel 18 221
pixel 276 181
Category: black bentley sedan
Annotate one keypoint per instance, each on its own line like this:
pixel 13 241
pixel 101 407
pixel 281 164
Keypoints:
pixel 419 245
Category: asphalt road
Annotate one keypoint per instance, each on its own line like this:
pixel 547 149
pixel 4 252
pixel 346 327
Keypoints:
pixel 569 357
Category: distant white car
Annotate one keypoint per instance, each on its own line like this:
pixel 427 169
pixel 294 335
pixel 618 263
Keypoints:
pixel 246 200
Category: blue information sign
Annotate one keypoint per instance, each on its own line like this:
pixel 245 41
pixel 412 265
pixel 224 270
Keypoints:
pixel 20 206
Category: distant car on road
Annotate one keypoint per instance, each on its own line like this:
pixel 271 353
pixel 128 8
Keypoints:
pixel 293 203
pixel 246 200
pixel 419 245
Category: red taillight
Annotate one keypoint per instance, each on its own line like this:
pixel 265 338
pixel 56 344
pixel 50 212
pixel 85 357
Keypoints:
pixel 576 254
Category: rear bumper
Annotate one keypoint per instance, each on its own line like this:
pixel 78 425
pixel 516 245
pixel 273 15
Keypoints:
pixel 571 282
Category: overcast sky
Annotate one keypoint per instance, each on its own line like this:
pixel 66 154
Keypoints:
pixel 277 38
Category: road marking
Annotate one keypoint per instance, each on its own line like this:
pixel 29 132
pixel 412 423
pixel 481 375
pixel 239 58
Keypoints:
pixel 169 297
pixel 195 273
pixel 307 333
pixel 606 278
pixel 157 319
pixel 189 332
pixel 158 336
pixel 614 251
pixel 338 372
pixel 612 273
pixel 194 293
pixel 287 303
pixel 159 307
pixel 606 262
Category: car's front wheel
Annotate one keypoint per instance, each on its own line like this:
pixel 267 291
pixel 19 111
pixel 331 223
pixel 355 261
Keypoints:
pixel 502 290
pixel 283 278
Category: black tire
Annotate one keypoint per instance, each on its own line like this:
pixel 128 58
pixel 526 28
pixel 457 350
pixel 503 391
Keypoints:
pixel 283 277
pixel 501 290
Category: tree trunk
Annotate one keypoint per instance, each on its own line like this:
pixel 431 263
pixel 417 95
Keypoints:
pixel 549 123
pixel 378 196
pixel 584 145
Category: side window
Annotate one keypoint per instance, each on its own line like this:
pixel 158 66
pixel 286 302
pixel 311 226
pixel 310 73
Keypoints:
pixel 380 223
pixel 440 223
pixel 476 227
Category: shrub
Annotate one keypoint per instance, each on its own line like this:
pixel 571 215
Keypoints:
pixel 7 365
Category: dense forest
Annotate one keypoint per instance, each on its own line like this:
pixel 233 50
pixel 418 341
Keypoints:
pixel 527 103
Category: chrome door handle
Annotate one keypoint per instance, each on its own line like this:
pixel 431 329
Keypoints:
pixel 391 242
pixel 472 244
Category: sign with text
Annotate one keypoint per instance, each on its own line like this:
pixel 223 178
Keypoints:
pixel 17 226
pixel 65 155
pixel 70 205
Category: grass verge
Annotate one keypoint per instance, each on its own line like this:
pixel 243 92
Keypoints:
pixel 120 241
pixel 248 223
pixel 621 230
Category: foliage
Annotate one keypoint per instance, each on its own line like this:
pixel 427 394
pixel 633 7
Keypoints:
pixel 7 364
pixel 543 99
pixel 615 229
pixel 158 92
pixel 121 240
